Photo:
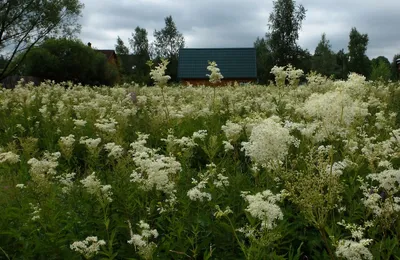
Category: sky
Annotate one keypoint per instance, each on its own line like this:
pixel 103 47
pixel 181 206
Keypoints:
pixel 235 23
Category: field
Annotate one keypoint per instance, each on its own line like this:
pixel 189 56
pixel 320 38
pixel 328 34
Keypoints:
pixel 236 172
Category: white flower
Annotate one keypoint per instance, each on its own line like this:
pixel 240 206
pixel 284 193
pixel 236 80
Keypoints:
pixel 232 130
pixel 88 247
pixel 90 142
pixel 68 141
pixel 114 150
pixel 79 122
pixel 94 187
pixel 215 75
pixel 106 125
pixel 20 186
pixel 352 250
pixel 227 146
pixel 262 206
pixel 9 157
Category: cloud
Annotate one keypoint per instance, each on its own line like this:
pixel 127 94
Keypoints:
pixel 237 23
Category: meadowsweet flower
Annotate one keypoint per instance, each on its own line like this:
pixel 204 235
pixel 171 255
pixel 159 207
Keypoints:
pixel 215 75
pixel 79 122
pixel 263 207
pixel 115 151
pixel 67 181
pixel 88 247
pixel 90 143
pixel 268 143
pixel 232 130
pixel 227 146
pixel 106 125
pixel 142 241
pixel 36 211
pixel 201 134
pixel 195 193
pixel 9 157
pixel 352 250
pixel 219 213
pixel 20 186
pixel 158 74
pixel 94 187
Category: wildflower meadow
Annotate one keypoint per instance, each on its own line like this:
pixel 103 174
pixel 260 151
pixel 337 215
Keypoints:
pixel 291 170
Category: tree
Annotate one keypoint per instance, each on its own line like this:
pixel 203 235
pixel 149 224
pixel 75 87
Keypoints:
pixel 168 40
pixel 381 69
pixel 120 48
pixel 324 59
pixel 68 60
pixel 264 60
pixel 284 24
pixel 141 48
pixel 167 43
pixel 358 60
pixel 342 62
pixel 25 23
pixel 395 69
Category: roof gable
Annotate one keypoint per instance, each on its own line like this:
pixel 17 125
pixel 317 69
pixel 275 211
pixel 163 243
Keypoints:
pixel 232 62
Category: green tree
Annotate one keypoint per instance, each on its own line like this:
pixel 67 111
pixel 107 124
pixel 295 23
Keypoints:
pixel 120 48
pixel 68 60
pixel 138 69
pixel 25 23
pixel 168 40
pixel 395 70
pixel 358 60
pixel 264 60
pixel 284 25
pixel 324 59
pixel 342 62
pixel 167 43
pixel 381 69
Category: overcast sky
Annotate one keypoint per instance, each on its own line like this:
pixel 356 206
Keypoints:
pixel 235 23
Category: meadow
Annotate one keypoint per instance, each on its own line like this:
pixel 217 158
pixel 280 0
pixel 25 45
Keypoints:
pixel 283 171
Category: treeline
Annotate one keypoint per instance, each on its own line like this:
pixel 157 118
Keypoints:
pixel 47 48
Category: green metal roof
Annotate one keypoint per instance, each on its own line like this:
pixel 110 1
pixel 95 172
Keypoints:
pixel 233 62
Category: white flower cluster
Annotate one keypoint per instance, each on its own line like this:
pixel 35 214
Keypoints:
pixel 184 144
pixel 106 125
pixel 335 111
pixel 79 122
pixel 141 242
pixel 47 165
pixel 67 141
pixel 158 74
pixel 90 143
pixel 232 130
pixel 88 247
pixel 36 211
pixel 263 207
pixel 353 250
pixel 9 157
pixel 382 198
pixel 268 143
pixel 67 181
pixel 114 150
pixel 218 180
pixel 215 75
pixel 153 170
pixel 94 187
pixel 281 73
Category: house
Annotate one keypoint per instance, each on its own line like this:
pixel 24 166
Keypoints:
pixel 111 57
pixel 235 64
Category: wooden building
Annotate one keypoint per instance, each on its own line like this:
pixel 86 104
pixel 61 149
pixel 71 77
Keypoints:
pixel 236 65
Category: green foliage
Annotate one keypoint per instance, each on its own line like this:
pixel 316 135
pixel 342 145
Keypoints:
pixel 395 68
pixel 324 59
pixel 69 60
pixel 358 60
pixel 168 40
pixel 342 62
pixel 264 60
pixel 120 48
pixel 26 23
pixel 284 25
pixel 381 69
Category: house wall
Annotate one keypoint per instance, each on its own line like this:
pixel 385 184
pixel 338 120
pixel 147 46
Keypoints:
pixel 224 82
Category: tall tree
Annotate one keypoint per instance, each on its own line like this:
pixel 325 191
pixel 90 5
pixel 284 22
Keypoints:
pixel 342 62
pixel 358 60
pixel 264 60
pixel 25 23
pixel 324 59
pixel 139 42
pixel 381 69
pixel 284 25
pixel 168 40
pixel 120 48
